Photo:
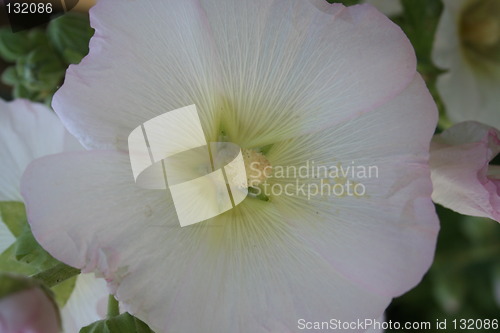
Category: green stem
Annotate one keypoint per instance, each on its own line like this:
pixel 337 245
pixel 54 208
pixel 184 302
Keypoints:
pixel 113 307
pixel 57 274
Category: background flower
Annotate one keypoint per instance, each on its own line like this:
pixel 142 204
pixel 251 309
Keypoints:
pixel 28 131
pixel 25 307
pixel 467 46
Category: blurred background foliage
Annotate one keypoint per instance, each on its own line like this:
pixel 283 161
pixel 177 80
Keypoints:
pixel 464 280
pixel 38 58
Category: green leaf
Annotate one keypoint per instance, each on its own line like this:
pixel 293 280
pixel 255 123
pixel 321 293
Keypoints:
pixel 419 22
pixel 70 34
pixel 63 290
pixel 10 77
pixel 20 91
pixel 8 263
pixel 26 248
pixel 13 45
pixel 38 37
pixel 449 290
pixel 42 69
pixel 60 278
pixel 13 283
pixel 57 274
pixel 29 251
pixel 27 257
pixel 14 215
pixel 124 323
pixel 72 56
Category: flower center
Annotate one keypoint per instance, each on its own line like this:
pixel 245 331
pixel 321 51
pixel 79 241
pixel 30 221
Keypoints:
pixel 257 167
pixel 480 29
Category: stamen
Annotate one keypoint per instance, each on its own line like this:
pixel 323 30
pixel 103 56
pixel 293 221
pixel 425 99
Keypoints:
pixel 257 166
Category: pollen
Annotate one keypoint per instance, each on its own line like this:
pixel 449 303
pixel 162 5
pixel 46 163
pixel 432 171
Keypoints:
pixel 480 27
pixel 483 33
pixel 257 167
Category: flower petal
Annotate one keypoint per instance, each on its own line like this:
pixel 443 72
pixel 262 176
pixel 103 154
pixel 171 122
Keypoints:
pixel 27 131
pixel 459 164
pixel 259 267
pixel 87 303
pixel 383 240
pixel 470 96
pixel 207 278
pixel 276 68
pixel 291 68
pixel 146 58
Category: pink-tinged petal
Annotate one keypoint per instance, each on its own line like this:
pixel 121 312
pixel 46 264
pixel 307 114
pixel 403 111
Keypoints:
pixel 71 242
pixel 280 72
pixel 146 58
pixel 28 311
pixel 384 241
pixel 461 174
pixel 27 131
pixel 261 265
pixel 277 68
pixel 289 67
pixel 239 273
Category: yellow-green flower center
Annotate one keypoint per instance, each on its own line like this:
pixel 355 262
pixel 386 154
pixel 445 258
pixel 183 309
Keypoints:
pixel 480 30
pixel 257 167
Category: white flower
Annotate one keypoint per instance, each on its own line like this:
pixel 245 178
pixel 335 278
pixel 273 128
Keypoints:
pixel 467 45
pixel 297 81
pixel 29 131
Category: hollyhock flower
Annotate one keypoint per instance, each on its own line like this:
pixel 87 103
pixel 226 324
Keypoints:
pixel 462 178
pixel 25 307
pixel 28 131
pixel 289 82
pixel 467 45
